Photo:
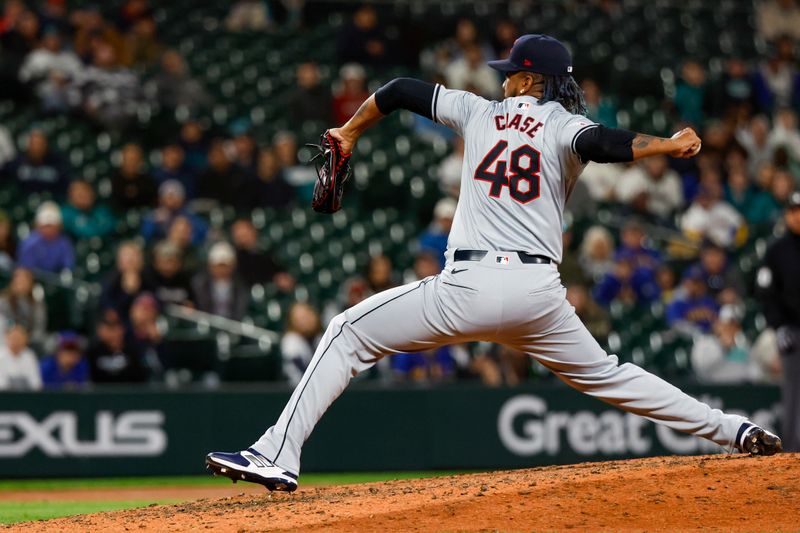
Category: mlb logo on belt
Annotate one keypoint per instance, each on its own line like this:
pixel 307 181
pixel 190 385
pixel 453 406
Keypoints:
pixel 502 259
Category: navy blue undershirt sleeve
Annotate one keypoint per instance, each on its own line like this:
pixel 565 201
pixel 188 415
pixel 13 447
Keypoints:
pixel 405 93
pixel 604 145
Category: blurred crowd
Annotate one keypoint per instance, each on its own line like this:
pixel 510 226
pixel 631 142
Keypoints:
pixel 677 226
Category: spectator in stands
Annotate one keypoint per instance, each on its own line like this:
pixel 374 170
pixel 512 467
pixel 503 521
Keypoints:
pixel 141 48
pixel 775 81
pixel 709 217
pixel 195 146
pixel 49 69
pixel 269 187
pixel 92 30
pixel 580 203
pixel 692 310
pixel 665 277
pixel 171 284
pixel 19 368
pixel 353 291
pixel 435 237
pixel 222 182
pixel 363 40
pixel 171 199
pixel 127 281
pixel 8 242
pixel 108 93
pixel 602 179
pixel 596 252
pixel 505 33
pixel 450 170
pixel 67 368
pixel 722 356
pixel 785 135
pixel 173 167
pixel 632 247
pixel 20 40
pixel 782 186
pixel 600 109
pixel 7 149
pixel 592 315
pixel 470 70
pixel 46 248
pixel 426 264
pixel 143 333
pixel 444 53
pixel 732 92
pixel 131 12
pixel 651 188
pixel 777 18
pixel 754 204
pixel 351 93
pixel 690 93
pixel 379 273
pixel 243 148
pixel 39 169
pixel 309 89
pixel 254 264
pixel 182 234
pixel 248 15
pixel 131 186
pixel 432 365
pixel 570 268
pixel 113 357
pixel 12 9
pixel 220 290
pixel 173 86
pixel 755 140
pixel 301 177
pixel 723 282
pixel 21 304
pixel 299 340
pixel 628 284
pixel 83 217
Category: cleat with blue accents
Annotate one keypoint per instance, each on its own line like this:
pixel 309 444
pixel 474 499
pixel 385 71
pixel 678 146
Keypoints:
pixel 251 466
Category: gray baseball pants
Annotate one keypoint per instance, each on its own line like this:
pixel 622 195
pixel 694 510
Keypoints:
pixel 497 299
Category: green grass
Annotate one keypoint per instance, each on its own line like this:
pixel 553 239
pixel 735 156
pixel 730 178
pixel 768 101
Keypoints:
pixel 328 478
pixel 11 512
pixel 21 511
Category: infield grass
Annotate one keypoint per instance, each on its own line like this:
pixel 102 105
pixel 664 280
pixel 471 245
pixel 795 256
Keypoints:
pixel 12 511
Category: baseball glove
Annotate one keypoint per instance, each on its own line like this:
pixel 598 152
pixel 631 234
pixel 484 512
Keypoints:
pixel 333 170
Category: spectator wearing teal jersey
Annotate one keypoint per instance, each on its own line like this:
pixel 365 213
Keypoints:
pixel 83 218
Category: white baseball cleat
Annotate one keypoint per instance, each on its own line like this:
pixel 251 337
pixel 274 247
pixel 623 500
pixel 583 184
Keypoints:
pixel 251 466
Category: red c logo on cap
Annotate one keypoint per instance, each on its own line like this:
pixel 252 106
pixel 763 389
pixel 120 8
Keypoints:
pixel 527 63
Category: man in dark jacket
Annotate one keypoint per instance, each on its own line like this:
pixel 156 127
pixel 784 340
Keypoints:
pixel 220 290
pixel 779 290
pixel 112 357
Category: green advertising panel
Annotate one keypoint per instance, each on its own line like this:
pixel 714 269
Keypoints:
pixel 121 433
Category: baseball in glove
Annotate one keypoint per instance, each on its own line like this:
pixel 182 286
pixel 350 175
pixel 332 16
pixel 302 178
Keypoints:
pixel 333 170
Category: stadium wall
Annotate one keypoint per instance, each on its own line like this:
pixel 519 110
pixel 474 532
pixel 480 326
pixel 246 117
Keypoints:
pixel 124 433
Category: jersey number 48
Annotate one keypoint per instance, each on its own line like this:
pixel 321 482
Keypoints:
pixel 522 181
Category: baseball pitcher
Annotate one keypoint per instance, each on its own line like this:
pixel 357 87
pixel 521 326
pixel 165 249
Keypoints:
pixel 501 284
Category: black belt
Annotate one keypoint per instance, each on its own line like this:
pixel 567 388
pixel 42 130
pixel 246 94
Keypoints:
pixel 477 255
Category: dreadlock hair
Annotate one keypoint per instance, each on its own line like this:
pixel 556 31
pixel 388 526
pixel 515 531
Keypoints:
pixel 564 90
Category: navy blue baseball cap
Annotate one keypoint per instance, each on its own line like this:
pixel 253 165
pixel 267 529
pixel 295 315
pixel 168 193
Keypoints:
pixel 536 53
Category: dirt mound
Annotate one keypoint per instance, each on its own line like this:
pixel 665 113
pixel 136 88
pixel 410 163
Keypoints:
pixel 726 493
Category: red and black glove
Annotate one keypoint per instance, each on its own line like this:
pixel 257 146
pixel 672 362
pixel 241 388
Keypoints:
pixel 333 170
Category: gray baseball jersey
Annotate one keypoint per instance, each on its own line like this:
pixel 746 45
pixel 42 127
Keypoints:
pixel 519 167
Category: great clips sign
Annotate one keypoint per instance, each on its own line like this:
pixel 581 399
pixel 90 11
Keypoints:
pixel 529 425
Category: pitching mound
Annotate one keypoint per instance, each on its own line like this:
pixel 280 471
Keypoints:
pixel 726 493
